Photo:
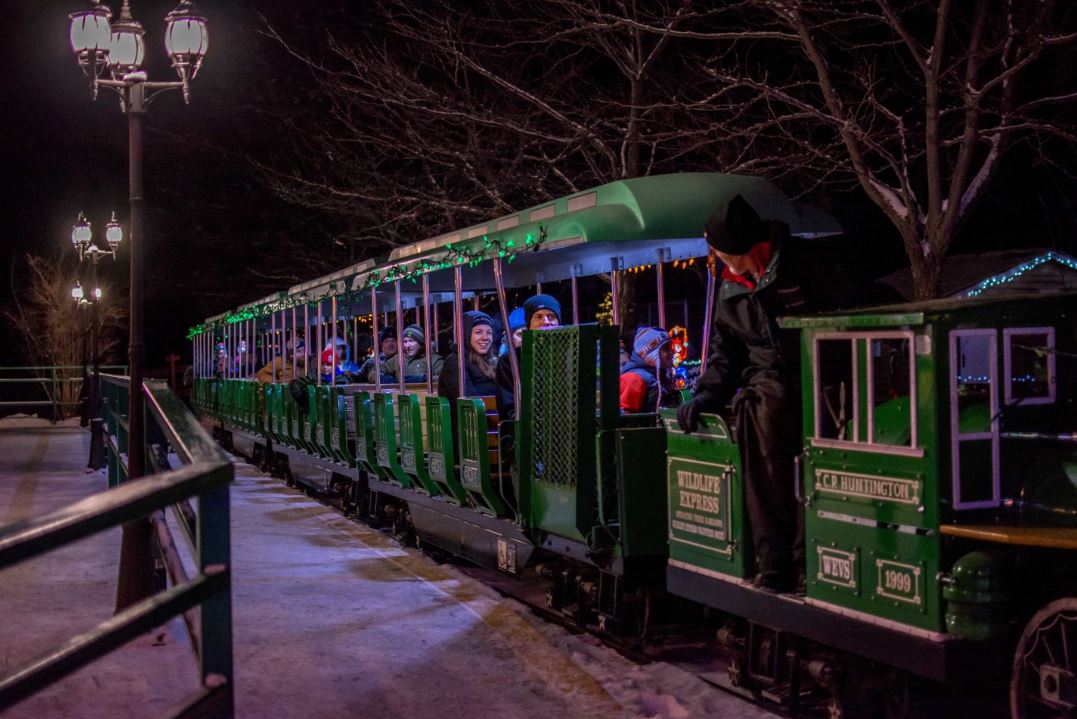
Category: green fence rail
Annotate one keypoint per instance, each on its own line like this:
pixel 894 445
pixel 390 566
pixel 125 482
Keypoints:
pixel 205 473
pixel 54 386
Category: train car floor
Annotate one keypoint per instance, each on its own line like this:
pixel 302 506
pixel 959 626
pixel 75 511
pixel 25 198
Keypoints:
pixel 331 618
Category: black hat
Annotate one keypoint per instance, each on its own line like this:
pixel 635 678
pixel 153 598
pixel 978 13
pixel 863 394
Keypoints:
pixel 540 302
pixel 386 333
pixel 735 228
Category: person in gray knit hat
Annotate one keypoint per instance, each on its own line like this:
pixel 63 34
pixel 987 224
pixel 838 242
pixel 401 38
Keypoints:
pixel 645 380
pixel 414 352
pixel 766 275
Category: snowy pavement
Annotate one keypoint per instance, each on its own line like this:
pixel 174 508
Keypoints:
pixel 331 618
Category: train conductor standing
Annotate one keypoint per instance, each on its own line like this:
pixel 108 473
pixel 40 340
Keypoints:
pixel 767 275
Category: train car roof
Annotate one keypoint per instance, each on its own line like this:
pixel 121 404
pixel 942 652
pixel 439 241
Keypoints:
pixel 622 224
pixel 914 314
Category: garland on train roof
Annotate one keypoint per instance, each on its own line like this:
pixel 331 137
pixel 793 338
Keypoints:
pixel 454 255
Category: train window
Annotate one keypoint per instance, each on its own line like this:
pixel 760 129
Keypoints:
pixel 835 389
pixel 1029 362
pixel 974 418
pixel 975 355
pixel 891 410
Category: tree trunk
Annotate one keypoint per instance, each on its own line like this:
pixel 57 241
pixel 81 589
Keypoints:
pixel 926 274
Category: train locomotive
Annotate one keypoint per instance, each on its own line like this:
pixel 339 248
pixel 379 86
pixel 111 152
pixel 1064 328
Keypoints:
pixel 938 473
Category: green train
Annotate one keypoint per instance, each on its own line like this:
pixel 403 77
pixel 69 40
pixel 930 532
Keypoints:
pixel 938 474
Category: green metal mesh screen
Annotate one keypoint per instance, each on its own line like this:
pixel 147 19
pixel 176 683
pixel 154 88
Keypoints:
pixel 556 392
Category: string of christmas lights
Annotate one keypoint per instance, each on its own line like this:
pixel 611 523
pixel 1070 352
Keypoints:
pixel 454 255
pixel 1011 275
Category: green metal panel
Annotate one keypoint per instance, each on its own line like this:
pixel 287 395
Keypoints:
pixel 475 470
pixel 641 459
pixel 708 529
pixel 441 453
pixel 559 419
pixel 365 449
pixel 314 420
pixel 385 440
pixel 326 412
pixel 878 570
pixel 412 455
pixel 342 423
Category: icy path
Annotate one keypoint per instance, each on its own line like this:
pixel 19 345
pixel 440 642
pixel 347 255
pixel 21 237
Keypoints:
pixel 332 619
pixel 382 631
pixel 48 600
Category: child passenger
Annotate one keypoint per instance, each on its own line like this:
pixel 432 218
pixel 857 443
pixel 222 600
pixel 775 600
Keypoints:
pixel 646 384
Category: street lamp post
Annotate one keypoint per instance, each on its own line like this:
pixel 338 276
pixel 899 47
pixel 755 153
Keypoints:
pixel 119 48
pixel 82 239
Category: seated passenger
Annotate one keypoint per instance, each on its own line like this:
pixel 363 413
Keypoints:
pixel 541 312
pixel 280 368
pixel 515 336
pixel 479 360
pixel 646 384
pixel 387 349
pixel 414 351
pixel 346 370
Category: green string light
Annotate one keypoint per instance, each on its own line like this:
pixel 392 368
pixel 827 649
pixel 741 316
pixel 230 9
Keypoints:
pixel 454 256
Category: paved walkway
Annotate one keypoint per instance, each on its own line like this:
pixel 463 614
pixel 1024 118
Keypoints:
pixel 332 618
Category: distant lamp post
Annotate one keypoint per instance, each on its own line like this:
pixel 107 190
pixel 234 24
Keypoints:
pixel 82 239
pixel 120 48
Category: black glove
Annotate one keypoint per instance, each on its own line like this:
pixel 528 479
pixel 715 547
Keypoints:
pixel 688 415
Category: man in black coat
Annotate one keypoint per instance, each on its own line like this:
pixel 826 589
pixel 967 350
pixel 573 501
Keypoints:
pixel 767 275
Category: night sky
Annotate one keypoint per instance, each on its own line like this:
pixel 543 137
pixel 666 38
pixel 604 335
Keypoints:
pixel 206 214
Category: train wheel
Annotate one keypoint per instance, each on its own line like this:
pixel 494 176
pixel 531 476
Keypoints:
pixel 1043 681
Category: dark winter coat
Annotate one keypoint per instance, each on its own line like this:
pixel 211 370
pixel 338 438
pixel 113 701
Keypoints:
pixel 478 385
pixel 747 346
pixel 506 398
pixel 414 368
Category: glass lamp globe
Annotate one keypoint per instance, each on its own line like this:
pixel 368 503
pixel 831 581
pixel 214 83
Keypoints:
pixel 77 293
pixel 186 39
pixel 113 233
pixel 127 46
pixel 90 34
pixel 81 234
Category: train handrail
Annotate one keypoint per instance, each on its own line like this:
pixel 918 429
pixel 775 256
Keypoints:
pixel 205 474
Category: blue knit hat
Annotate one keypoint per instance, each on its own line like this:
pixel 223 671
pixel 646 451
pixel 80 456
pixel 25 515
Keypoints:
pixel 649 342
pixel 540 302
pixel 516 320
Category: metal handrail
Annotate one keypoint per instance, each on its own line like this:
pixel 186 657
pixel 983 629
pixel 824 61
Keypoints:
pixel 206 474
pixel 50 378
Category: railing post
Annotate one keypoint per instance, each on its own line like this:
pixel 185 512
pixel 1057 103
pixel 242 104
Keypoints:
pixel 215 554
pixel 55 395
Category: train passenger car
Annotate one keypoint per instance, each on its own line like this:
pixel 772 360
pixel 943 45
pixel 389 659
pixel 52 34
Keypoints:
pixel 940 503
pixel 400 450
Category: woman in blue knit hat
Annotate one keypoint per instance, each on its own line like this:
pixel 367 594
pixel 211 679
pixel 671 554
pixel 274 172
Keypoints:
pixel 645 381
pixel 480 360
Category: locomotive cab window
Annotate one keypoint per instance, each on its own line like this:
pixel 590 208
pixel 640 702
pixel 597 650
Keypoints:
pixel 1029 362
pixel 836 389
pixel 868 375
pixel 974 418
pixel 891 419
